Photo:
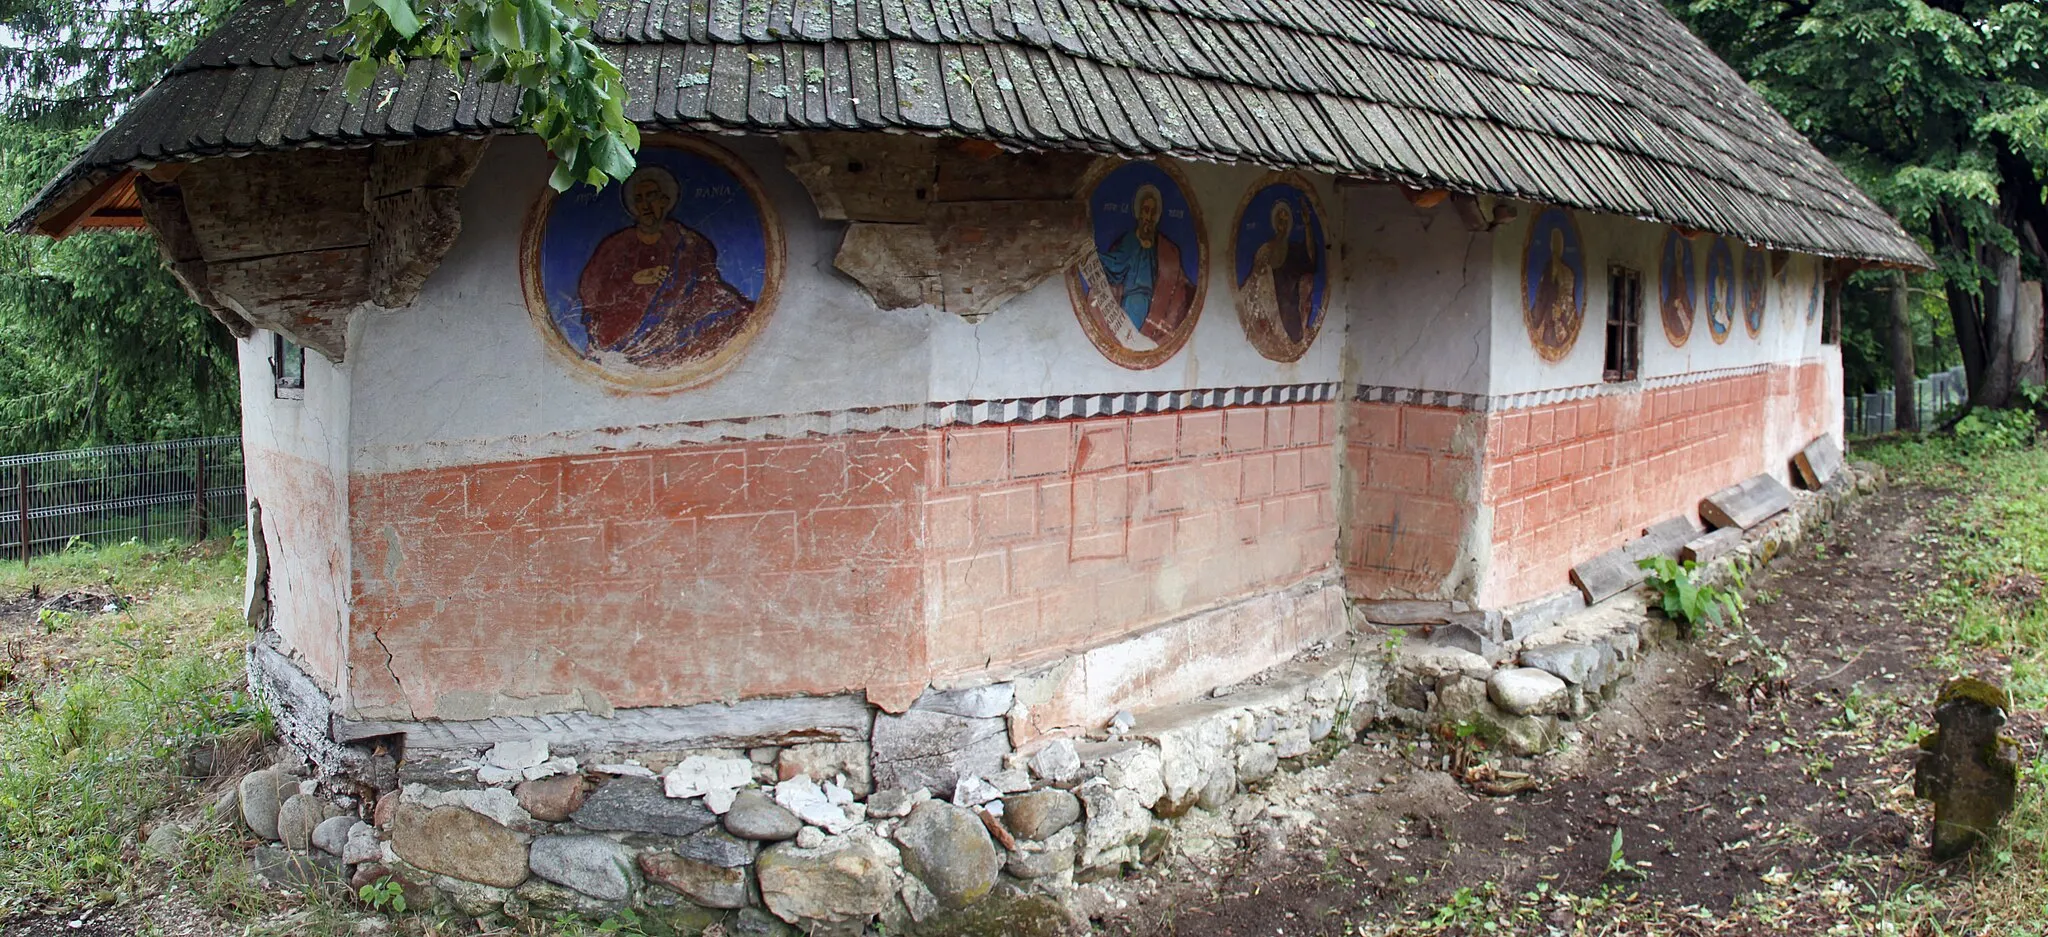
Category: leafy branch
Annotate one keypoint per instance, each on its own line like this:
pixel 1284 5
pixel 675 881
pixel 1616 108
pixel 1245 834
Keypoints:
pixel 570 94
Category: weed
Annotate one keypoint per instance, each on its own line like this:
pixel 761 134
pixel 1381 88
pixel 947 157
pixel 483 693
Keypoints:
pixel 1688 601
pixel 383 894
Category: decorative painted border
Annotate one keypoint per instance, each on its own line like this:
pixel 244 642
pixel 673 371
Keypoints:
pixel 899 417
pixel 1482 403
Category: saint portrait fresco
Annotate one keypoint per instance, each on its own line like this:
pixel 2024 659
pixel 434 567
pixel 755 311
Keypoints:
pixel 1281 274
pixel 1720 290
pixel 1755 292
pixel 658 282
pixel 1814 289
pixel 1677 287
pixel 1139 291
pixel 1553 284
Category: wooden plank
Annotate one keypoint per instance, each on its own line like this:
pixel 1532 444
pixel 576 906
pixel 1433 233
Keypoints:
pixel 1712 547
pixel 746 724
pixel 1665 538
pixel 1607 575
pixel 1747 503
pixel 1819 462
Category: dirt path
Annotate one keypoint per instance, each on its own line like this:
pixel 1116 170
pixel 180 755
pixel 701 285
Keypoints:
pixel 1729 788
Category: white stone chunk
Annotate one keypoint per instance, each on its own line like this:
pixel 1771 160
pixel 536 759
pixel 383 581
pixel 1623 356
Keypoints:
pixel 517 756
pixel 802 796
pixel 703 775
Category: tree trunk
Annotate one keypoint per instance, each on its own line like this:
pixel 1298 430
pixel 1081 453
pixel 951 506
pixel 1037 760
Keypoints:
pixel 1903 374
pixel 1997 389
pixel 2032 325
pixel 1962 313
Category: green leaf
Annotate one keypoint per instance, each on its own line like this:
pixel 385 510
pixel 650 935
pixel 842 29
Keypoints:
pixel 361 73
pixel 505 24
pixel 402 19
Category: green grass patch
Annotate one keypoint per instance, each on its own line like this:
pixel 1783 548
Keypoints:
pixel 95 748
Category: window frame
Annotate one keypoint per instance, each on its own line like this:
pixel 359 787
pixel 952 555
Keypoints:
pixel 1622 358
pixel 283 386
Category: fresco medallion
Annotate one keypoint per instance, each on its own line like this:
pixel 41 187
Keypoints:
pixel 661 281
pixel 1678 291
pixel 1755 292
pixel 1281 271
pixel 1553 284
pixel 1139 292
pixel 1720 290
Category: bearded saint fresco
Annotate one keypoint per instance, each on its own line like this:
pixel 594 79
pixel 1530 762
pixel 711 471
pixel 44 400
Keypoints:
pixel 1677 287
pixel 1553 284
pixel 1138 293
pixel 1281 277
pixel 1754 291
pixel 1720 290
pixel 660 280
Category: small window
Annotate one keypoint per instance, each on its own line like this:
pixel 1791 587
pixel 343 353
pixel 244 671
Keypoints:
pixel 288 366
pixel 1624 324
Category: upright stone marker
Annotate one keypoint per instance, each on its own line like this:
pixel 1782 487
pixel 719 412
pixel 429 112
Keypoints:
pixel 1818 463
pixel 1966 767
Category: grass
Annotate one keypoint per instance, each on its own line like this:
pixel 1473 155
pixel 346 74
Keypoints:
pixel 91 747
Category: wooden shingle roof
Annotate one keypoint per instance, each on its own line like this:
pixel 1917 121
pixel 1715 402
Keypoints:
pixel 1604 105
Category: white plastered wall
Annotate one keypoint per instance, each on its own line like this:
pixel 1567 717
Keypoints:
pixel 462 375
pixel 1420 297
pixel 297 458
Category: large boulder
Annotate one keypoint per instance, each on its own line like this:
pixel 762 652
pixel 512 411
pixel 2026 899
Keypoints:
pixel 297 817
pixel 850 878
pixel 1576 664
pixel 949 850
pixel 1117 822
pixel 593 865
pixel 753 816
pixel 261 794
pixel 553 799
pixel 638 805
pixel 460 843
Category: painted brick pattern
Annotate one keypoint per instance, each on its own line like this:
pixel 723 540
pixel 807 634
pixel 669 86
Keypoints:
pixel 644 578
pixel 1050 537
pixel 1412 472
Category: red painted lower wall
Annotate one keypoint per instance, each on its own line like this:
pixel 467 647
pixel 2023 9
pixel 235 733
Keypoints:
pixel 868 561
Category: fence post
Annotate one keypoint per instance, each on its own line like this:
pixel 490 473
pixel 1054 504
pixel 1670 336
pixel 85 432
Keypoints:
pixel 199 525
pixel 21 510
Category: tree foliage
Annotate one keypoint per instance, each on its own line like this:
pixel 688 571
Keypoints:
pixel 1939 108
pixel 97 343
pixel 570 94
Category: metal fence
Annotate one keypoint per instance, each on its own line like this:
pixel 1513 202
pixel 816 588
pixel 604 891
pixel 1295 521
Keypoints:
pixel 1869 414
pixel 183 489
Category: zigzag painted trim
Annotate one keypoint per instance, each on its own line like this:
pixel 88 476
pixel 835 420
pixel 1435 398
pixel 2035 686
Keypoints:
pixel 1482 403
pixel 1032 409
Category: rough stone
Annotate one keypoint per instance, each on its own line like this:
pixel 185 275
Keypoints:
pixel 638 805
pixel 471 898
pixel 930 749
pixel 810 837
pixel 714 779
pixel 1117 821
pixel 1137 769
pixel 495 802
pixel 386 809
pixel 1527 691
pixel 1040 814
pixel 517 755
pixel 885 804
pixel 753 816
pixel 972 791
pixel 1572 663
pixel 754 922
pixel 552 799
pixel 1526 736
pixel 459 842
pixel 296 870
pixel 1011 915
pixel 331 836
pixel 296 819
pixel 593 865
pixel 716 847
pixel 548 896
pixel 1966 767
pixel 949 850
pixel 981 702
pixel 802 796
pixel 362 844
pixel 166 842
pixel 1052 857
pixel 706 884
pixel 1218 786
pixel 847 879
pixel 1257 761
pixel 262 793
pixel 1056 761
pixel 828 761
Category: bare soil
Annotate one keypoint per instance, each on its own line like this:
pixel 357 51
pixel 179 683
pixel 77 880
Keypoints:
pixel 1723 782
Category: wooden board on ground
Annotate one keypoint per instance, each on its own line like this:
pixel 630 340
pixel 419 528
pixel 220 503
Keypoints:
pixel 1818 463
pixel 1712 547
pixel 1615 571
pixel 1747 503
